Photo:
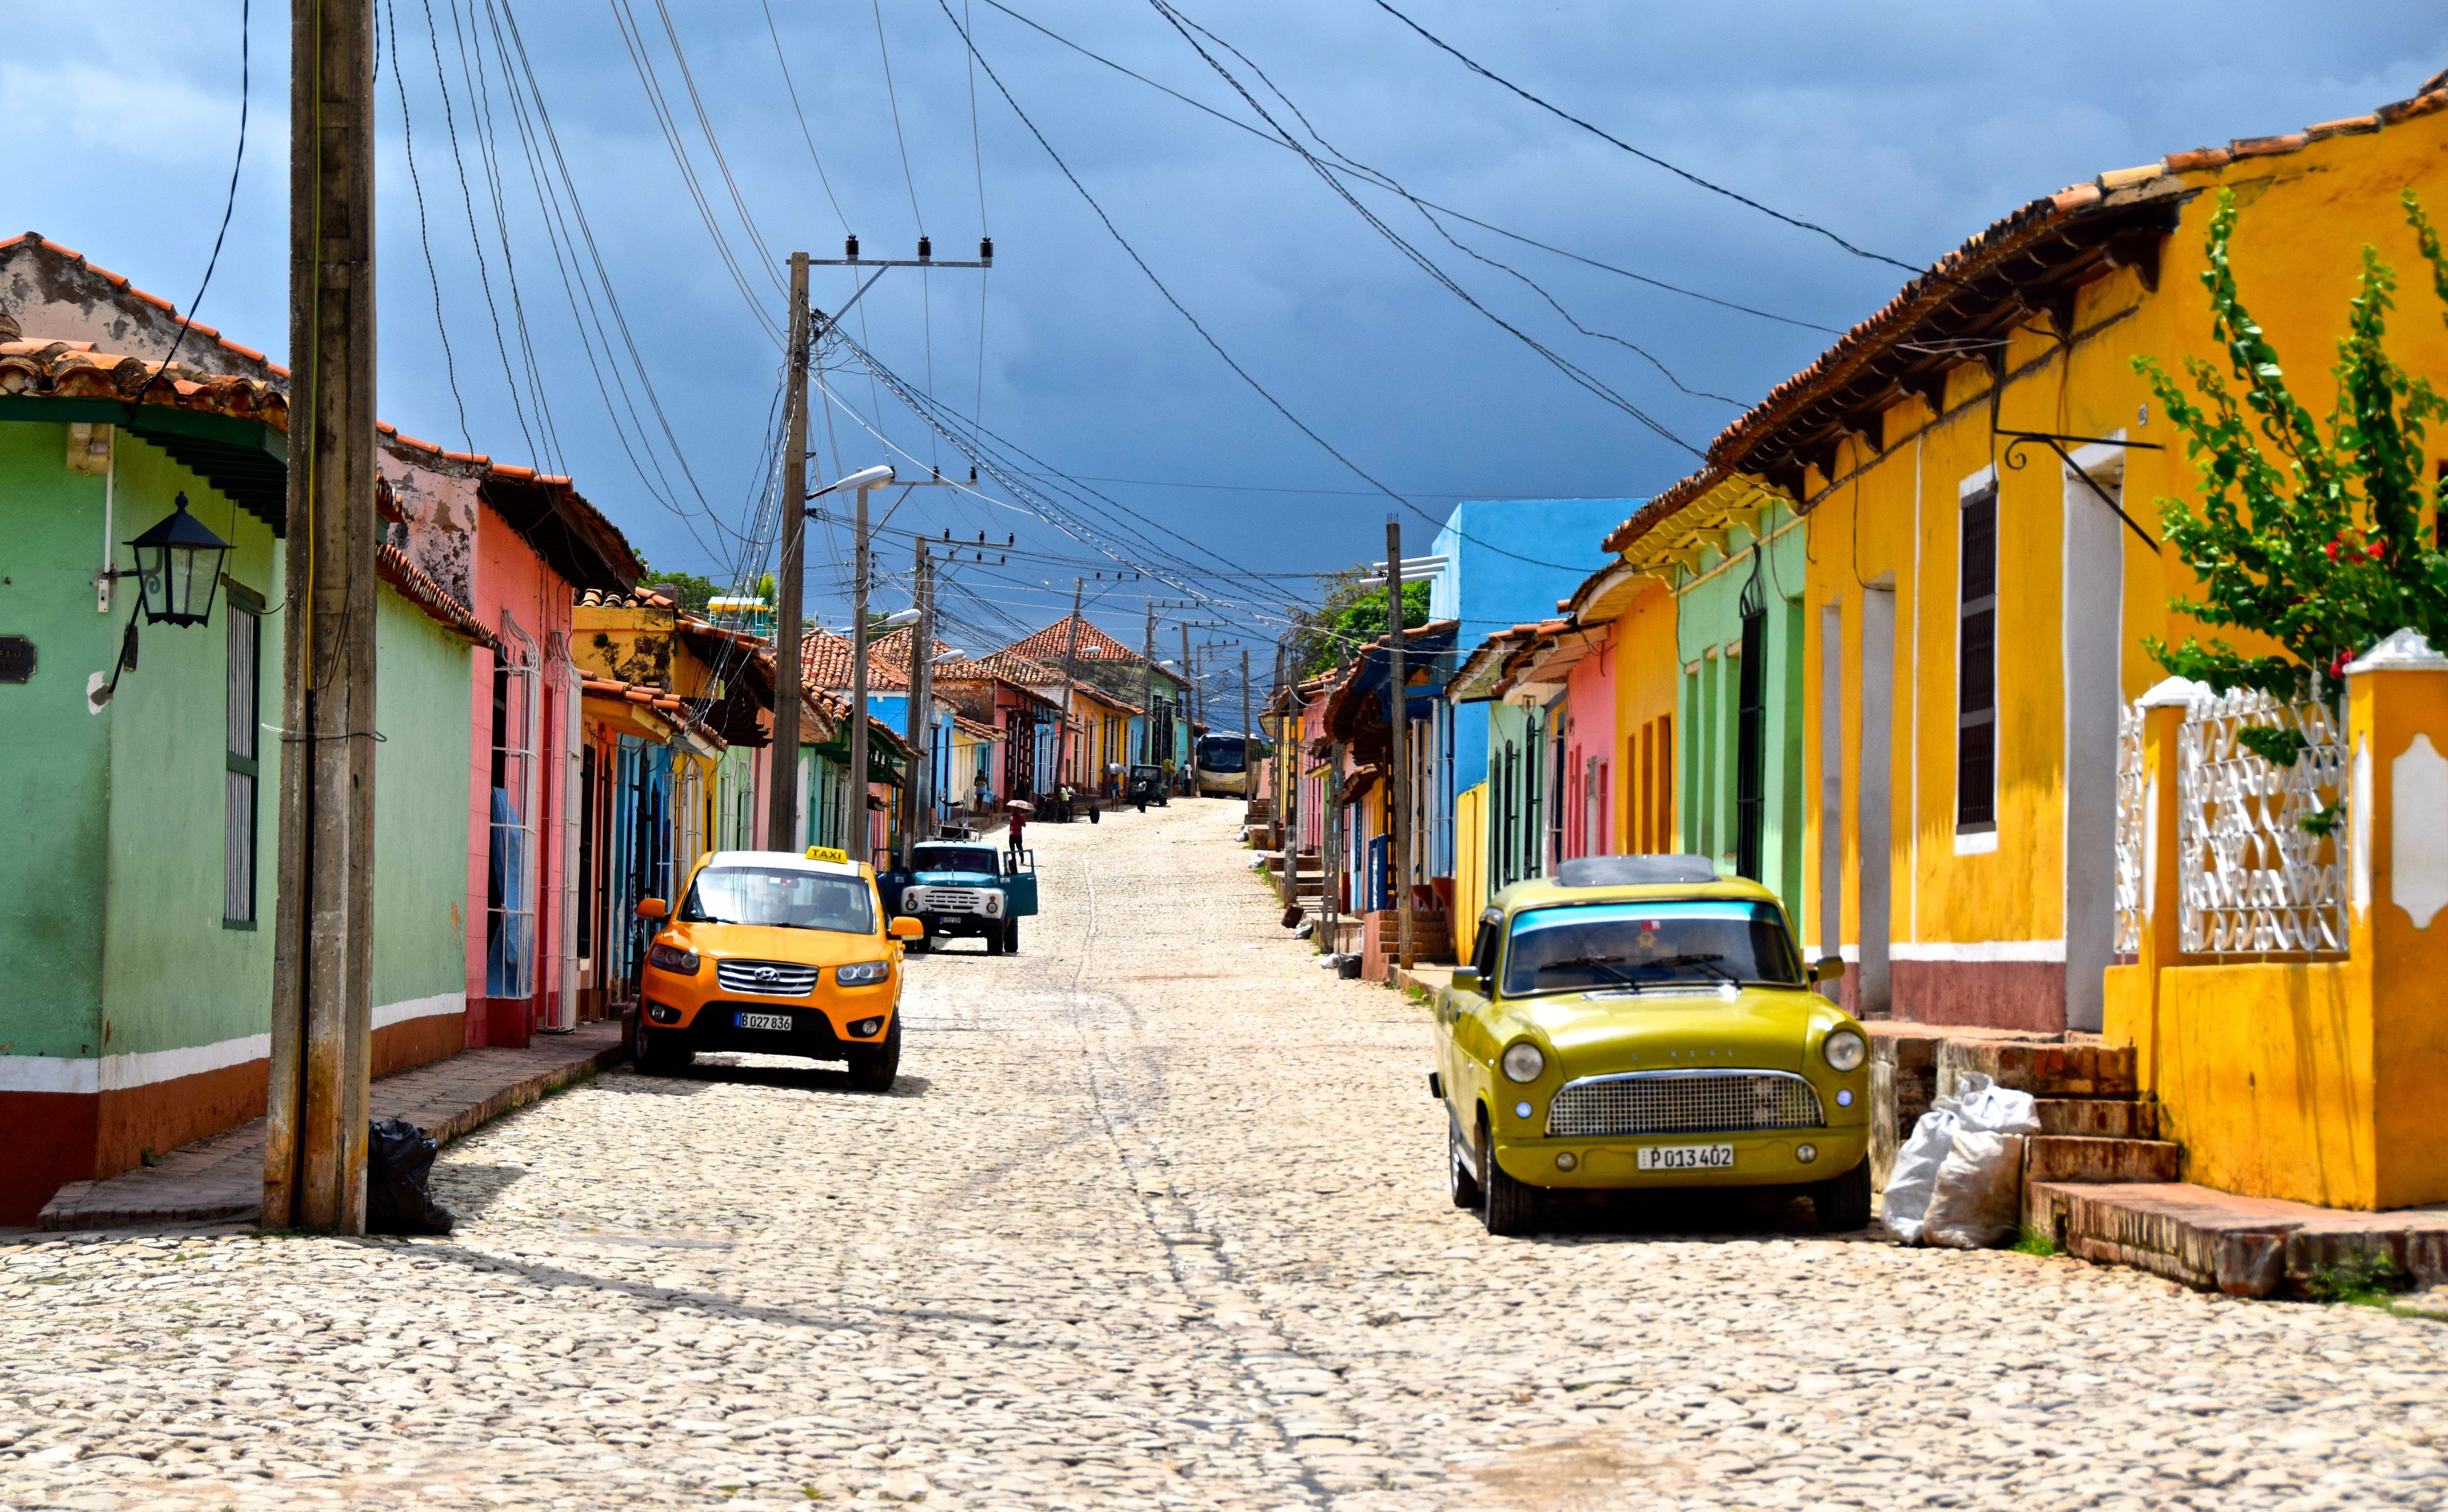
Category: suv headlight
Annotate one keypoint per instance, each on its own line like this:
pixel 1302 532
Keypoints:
pixel 672 958
pixel 863 973
pixel 1523 1062
pixel 1844 1050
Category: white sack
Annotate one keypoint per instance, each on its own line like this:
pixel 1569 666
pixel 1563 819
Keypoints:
pixel 1978 1197
pixel 1915 1174
pixel 1992 1109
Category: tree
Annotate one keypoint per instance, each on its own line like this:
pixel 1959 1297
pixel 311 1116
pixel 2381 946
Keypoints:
pixel 1349 618
pixel 689 590
pixel 2310 533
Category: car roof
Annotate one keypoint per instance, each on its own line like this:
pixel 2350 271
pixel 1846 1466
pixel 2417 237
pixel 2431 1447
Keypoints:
pixel 1547 891
pixel 783 861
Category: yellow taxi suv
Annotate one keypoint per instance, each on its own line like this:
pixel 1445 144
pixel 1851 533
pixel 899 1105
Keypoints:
pixel 1638 1023
pixel 779 955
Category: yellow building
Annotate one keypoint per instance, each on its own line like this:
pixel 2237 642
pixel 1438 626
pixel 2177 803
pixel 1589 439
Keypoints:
pixel 1975 600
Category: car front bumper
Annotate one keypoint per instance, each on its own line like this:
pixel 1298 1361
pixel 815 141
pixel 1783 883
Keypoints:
pixel 1761 1158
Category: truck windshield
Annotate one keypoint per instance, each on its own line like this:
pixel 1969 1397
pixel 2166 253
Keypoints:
pixel 949 858
pixel 779 897
pixel 1221 753
pixel 1572 949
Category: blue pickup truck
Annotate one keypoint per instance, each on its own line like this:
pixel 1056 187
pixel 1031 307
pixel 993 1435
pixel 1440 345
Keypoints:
pixel 965 887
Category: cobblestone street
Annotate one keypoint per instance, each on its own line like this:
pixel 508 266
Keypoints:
pixel 1155 1217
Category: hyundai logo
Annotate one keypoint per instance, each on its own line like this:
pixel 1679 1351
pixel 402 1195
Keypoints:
pixel 766 973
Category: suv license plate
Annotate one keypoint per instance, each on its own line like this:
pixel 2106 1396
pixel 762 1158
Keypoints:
pixel 1687 1158
pixel 782 1021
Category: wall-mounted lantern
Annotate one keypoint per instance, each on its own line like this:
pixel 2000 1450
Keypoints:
pixel 179 568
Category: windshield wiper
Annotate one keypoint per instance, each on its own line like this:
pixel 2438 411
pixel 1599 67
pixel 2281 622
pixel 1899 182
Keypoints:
pixel 1706 962
pixel 1591 963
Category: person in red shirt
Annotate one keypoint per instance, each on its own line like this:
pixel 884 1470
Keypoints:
pixel 1019 820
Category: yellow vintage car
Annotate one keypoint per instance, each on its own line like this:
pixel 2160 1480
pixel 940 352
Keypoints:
pixel 1640 1023
pixel 776 953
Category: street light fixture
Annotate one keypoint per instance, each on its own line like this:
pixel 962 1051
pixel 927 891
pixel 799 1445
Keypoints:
pixel 179 566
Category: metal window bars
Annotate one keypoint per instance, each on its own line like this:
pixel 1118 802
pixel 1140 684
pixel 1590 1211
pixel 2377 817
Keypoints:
pixel 510 880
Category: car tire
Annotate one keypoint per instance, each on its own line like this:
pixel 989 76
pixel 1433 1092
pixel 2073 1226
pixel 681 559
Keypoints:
pixel 1464 1186
pixel 657 1053
pixel 1843 1202
pixel 994 939
pixel 1507 1207
pixel 875 1070
pixel 1012 937
pixel 1096 817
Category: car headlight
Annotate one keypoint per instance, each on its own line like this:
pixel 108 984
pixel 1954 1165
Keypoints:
pixel 862 973
pixel 672 958
pixel 1844 1050
pixel 994 903
pixel 1523 1062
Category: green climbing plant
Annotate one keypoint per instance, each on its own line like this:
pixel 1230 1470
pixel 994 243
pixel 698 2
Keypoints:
pixel 2308 531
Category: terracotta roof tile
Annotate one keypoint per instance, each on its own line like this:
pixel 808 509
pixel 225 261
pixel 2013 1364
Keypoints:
pixel 392 566
pixel 2266 146
pixel 825 666
pixel 1048 645
pixel 75 370
pixel 2350 126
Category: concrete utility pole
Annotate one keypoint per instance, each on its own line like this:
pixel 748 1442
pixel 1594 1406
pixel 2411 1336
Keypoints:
pixel 922 650
pixel 857 830
pixel 1190 704
pixel 782 801
pixel 1147 690
pixel 1400 791
pixel 322 1015
pixel 1070 650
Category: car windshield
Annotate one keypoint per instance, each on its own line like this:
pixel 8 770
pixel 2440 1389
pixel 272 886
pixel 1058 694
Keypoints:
pixel 783 897
pixel 1636 946
pixel 955 858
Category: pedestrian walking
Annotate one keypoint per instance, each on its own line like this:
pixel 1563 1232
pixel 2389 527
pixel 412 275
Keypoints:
pixel 1019 821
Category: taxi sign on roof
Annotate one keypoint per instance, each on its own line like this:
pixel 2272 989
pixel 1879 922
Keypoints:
pixel 826 852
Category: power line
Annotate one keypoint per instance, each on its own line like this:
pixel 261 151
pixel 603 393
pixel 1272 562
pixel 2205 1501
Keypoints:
pixel 424 237
pixel 1474 66
pixel 246 90
pixel 804 134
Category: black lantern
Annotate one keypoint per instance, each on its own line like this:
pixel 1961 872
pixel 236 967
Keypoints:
pixel 179 567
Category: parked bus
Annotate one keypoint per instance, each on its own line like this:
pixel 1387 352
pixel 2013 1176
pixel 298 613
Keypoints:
pixel 1224 765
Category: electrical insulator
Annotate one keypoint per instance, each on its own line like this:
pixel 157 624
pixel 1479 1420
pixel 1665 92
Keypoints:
pixel 850 246
pixel 925 249
pixel 985 249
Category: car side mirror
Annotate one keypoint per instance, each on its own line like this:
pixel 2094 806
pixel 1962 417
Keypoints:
pixel 652 909
pixel 1465 979
pixel 906 927
pixel 1831 968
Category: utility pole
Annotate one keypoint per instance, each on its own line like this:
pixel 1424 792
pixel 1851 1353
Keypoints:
pixel 1248 755
pixel 1190 704
pixel 858 829
pixel 1070 650
pixel 782 799
pixel 1400 787
pixel 1147 690
pixel 322 1014
pixel 922 650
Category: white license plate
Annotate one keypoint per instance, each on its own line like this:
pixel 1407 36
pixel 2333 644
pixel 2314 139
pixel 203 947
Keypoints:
pixel 1687 1158
pixel 782 1021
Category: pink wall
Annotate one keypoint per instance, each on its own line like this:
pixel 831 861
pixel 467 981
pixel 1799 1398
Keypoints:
pixel 509 578
pixel 1589 704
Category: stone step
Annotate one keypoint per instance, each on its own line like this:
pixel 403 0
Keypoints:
pixel 2254 1247
pixel 2043 1068
pixel 2085 1158
pixel 2101 1118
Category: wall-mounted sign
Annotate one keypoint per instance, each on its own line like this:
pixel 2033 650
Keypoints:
pixel 16 658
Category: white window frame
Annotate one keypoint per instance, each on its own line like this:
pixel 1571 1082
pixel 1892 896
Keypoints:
pixel 1981 485
pixel 512 920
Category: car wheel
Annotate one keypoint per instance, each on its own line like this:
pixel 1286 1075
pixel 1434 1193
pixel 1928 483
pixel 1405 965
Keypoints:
pixel 994 939
pixel 1096 817
pixel 875 1071
pixel 1843 1202
pixel 1012 937
pixel 1508 1207
pixel 657 1053
pixel 1465 1185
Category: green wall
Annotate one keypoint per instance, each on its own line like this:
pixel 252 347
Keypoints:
pixel 1709 618
pixel 423 707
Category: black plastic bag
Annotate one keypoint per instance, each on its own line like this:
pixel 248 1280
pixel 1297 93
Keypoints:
pixel 398 1156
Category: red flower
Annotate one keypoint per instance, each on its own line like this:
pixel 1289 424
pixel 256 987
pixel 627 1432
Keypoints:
pixel 2332 549
pixel 2372 550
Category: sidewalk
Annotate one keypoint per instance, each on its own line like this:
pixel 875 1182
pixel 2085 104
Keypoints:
pixel 221 1179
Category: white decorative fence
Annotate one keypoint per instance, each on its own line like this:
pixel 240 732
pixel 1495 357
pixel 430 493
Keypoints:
pixel 2250 878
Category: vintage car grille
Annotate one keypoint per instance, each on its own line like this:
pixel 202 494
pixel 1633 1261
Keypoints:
pixel 945 900
pixel 771 978
pixel 1682 1102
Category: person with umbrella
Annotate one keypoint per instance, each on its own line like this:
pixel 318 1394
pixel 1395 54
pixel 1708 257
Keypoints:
pixel 1019 809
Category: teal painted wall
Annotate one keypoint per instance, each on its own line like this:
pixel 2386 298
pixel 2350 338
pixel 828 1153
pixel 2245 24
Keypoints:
pixel 1708 620
pixel 422 706
pixel 172 974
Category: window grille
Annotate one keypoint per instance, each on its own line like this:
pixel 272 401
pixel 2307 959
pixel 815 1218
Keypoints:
pixel 1976 667
pixel 2132 828
pixel 509 874
pixel 243 743
pixel 2249 878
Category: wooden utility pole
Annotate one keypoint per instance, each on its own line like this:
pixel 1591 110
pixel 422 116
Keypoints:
pixel 1190 704
pixel 1070 650
pixel 922 650
pixel 1399 788
pixel 782 829
pixel 1249 755
pixel 1147 690
pixel 322 1015
pixel 857 830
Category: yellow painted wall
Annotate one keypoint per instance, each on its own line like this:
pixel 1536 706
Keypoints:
pixel 1470 867
pixel 1643 645
pixel 1890 515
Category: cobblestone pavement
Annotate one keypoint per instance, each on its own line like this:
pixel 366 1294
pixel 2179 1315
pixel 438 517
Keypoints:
pixel 1155 1219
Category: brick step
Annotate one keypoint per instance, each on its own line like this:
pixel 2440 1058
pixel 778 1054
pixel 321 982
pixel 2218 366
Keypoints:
pixel 2085 1158
pixel 2217 1241
pixel 2101 1118
pixel 2043 1068
pixel 1261 809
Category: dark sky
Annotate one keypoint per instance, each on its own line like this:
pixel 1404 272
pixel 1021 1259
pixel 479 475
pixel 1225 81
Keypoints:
pixel 1902 128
